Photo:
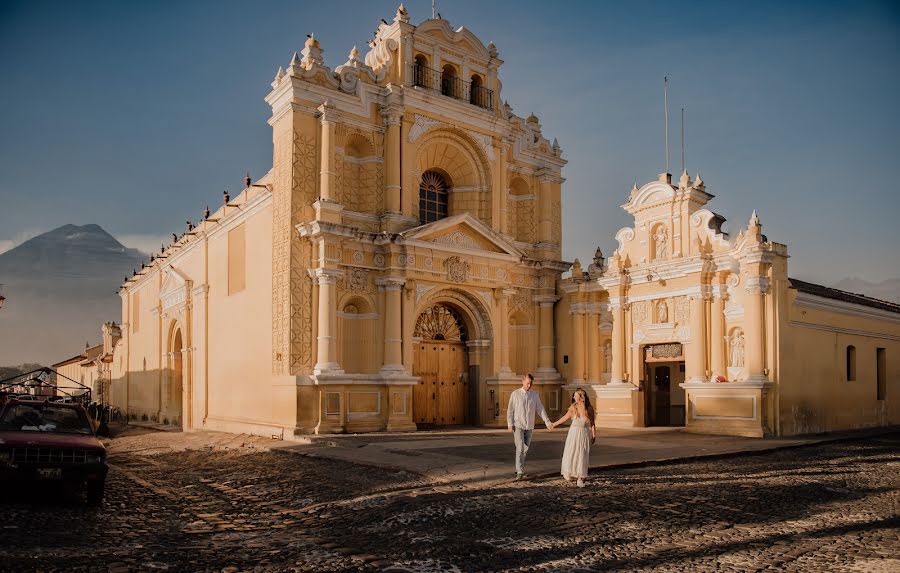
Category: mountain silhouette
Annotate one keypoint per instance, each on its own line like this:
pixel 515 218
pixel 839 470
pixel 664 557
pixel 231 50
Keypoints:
pixel 59 287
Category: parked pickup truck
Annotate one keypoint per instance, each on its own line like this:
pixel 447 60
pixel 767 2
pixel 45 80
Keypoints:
pixel 51 442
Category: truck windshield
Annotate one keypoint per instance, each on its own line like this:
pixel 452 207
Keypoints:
pixel 45 418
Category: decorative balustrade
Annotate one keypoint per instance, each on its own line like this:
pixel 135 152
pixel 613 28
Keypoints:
pixel 452 86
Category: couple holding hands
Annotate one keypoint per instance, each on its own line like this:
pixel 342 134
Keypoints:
pixel 525 403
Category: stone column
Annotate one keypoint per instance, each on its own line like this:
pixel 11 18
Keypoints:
pixel 754 328
pixel 409 193
pixel 393 331
pixel 546 348
pixel 504 191
pixel 327 191
pixel 577 375
pixel 717 336
pixel 392 116
pixel 617 376
pixel 696 348
pixel 504 331
pixel 593 343
pixel 545 217
pixel 327 332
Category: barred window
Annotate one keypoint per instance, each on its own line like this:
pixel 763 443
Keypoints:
pixel 432 197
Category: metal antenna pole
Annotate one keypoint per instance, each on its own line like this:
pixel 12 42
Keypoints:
pixel 666 99
pixel 682 140
pixel 432 9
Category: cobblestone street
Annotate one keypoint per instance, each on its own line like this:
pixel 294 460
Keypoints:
pixel 831 507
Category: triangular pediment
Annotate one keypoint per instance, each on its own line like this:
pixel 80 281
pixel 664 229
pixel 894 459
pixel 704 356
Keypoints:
pixel 461 232
pixel 174 280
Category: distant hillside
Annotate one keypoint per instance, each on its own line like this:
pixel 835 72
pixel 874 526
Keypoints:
pixel 59 288
pixel 888 290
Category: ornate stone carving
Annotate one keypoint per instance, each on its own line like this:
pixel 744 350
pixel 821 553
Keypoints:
pixel 295 191
pixel 660 243
pixel 639 312
pixel 673 350
pixel 457 239
pixel 519 301
pixel 457 269
pixel 378 259
pixel 736 350
pixel 556 222
pixel 485 142
pixel 421 291
pixel 356 280
pixel 421 124
pixel 682 309
pixel 358 257
pixel 662 312
pixel 438 322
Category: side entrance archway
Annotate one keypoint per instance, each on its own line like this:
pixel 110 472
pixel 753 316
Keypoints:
pixel 441 362
pixel 171 396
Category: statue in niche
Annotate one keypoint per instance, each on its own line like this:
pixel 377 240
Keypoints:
pixel 736 353
pixel 662 312
pixel 660 238
pixel 607 357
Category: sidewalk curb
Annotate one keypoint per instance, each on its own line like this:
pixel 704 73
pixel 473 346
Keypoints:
pixel 870 433
pixel 601 468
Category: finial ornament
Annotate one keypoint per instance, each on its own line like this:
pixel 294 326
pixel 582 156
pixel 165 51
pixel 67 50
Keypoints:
pixel 634 190
pixel 402 15
pixel 685 180
pixel 754 219
pixel 698 182
pixel 280 73
pixel 312 53
pixel 492 50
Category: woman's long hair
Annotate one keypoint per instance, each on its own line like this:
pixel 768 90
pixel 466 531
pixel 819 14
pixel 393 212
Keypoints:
pixel 588 409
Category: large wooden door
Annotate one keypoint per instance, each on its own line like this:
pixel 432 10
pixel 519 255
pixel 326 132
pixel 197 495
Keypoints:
pixel 442 392
pixel 442 365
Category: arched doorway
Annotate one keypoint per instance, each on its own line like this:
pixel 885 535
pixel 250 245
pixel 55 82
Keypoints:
pixel 441 362
pixel 172 410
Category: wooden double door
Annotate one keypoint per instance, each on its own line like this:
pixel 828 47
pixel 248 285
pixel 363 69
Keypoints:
pixel 440 397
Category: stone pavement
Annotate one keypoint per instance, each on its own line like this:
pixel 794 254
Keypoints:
pixel 487 455
pixel 206 502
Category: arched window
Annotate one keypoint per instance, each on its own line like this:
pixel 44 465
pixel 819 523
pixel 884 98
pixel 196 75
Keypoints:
pixel 433 196
pixel 851 363
pixel 449 81
pixel 420 71
pixel 476 91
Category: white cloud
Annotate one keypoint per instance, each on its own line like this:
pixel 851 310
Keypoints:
pixel 18 239
pixel 147 244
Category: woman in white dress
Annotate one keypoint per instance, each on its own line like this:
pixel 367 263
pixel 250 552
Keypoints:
pixel 581 435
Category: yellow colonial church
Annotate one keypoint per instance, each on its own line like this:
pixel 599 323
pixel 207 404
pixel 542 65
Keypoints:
pixel 399 267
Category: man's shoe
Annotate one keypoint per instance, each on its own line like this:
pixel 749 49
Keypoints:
pixel 519 476
pixel 580 483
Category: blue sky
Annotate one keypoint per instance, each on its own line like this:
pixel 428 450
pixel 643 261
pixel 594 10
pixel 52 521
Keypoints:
pixel 135 116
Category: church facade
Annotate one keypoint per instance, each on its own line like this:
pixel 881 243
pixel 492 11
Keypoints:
pixel 400 267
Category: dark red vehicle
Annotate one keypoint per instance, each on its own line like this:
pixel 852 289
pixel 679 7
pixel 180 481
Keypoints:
pixel 51 442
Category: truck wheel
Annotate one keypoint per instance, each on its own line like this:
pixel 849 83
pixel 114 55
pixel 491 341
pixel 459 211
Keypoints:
pixel 95 492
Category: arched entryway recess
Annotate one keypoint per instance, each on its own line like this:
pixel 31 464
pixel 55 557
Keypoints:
pixel 463 164
pixel 450 356
pixel 171 393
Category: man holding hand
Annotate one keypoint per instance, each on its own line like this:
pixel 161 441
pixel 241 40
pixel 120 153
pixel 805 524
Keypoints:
pixel 523 404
